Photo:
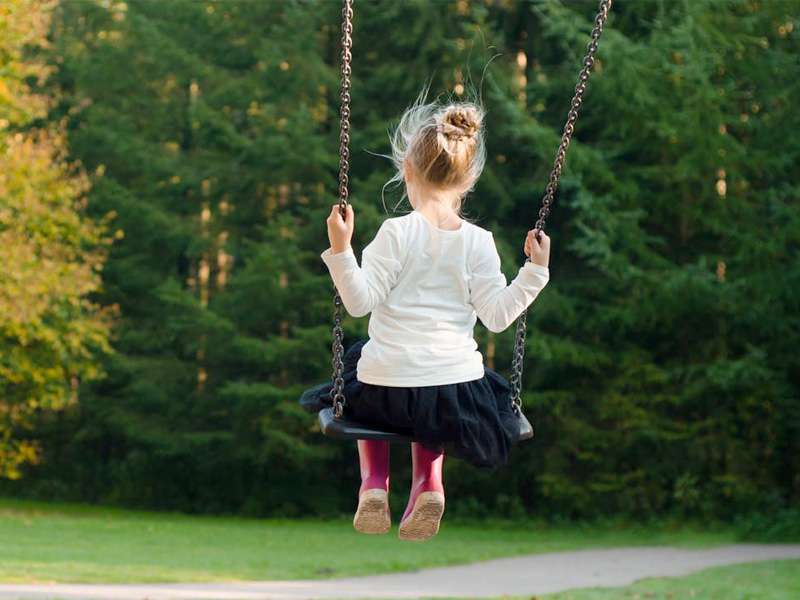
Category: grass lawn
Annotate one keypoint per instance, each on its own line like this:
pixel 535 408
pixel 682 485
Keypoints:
pixel 42 542
pixel 774 580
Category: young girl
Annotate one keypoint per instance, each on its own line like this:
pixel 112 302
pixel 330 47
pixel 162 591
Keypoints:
pixel 426 277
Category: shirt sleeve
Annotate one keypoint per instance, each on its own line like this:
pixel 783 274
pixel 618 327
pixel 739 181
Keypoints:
pixel 496 303
pixel 363 288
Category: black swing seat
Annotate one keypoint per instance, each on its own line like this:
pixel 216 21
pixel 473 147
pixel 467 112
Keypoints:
pixel 345 428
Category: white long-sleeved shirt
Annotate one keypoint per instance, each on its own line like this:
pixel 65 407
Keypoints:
pixel 425 288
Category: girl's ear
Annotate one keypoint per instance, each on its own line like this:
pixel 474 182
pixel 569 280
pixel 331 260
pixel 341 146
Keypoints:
pixel 408 171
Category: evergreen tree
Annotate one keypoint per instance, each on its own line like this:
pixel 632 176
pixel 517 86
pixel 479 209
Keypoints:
pixel 207 128
pixel 654 387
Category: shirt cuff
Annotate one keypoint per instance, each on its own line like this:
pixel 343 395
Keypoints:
pixel 340 258
pixel 538 269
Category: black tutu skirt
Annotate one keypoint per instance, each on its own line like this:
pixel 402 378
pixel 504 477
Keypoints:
pixel 471 420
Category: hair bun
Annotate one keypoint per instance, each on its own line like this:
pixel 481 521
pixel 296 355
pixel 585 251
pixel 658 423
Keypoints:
pixel 441 144
pixel 458 122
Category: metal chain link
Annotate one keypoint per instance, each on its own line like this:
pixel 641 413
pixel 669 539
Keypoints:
pixel 550 191
pixel 337 390
pixel 517 362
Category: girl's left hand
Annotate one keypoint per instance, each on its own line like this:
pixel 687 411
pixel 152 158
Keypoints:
pixel 340 231
pixel 538 252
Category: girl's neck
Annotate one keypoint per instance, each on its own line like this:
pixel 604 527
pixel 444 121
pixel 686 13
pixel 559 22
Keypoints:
pixel 436 207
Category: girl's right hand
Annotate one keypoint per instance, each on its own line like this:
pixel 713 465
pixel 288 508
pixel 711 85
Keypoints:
pixel 539 252
pixel 340 231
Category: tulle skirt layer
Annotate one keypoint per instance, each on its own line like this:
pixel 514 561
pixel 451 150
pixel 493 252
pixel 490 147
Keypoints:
pixel 471 420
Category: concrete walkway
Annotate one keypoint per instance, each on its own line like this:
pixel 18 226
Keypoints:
pixel 524 575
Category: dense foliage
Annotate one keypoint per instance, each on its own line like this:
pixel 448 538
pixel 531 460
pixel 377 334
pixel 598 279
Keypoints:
pixel 662 373
pixel 51 334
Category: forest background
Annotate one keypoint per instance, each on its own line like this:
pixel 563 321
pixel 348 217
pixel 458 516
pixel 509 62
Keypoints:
pixel 165 172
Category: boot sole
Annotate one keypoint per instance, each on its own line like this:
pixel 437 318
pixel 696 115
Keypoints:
pixel 372 515
pixel 423 521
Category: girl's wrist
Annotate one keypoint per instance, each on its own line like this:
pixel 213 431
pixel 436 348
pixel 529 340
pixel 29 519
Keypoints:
pixel 339 248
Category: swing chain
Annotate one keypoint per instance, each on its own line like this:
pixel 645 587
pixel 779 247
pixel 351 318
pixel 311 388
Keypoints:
pixel 337 389
pixel 552 186
pixel 344 131
pixel 517 363
pixel 572 116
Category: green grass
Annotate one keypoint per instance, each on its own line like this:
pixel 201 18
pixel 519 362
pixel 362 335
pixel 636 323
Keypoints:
pixel 42 542
pixel 773 580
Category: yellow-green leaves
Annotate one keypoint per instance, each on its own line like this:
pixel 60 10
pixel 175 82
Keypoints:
pixel 50 252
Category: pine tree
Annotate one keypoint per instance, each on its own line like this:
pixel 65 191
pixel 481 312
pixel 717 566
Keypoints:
pixel 207 127
pixel 654 388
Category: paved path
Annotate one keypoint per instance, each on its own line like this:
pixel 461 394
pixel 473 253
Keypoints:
pixel 523 575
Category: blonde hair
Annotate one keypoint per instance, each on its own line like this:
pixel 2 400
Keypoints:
pixel 444 143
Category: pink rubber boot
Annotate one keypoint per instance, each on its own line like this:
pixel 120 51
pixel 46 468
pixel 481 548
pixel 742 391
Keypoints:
pixel 372 515
pixel 426 500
